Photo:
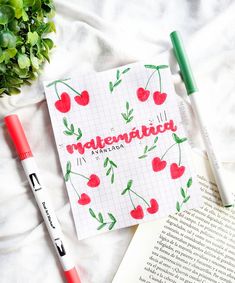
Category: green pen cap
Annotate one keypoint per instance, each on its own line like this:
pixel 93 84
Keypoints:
pixel 183 62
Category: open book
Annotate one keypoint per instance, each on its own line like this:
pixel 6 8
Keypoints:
pixel 193 246
pixel 122 146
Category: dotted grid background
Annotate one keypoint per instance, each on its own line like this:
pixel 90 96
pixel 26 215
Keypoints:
pixel 102 117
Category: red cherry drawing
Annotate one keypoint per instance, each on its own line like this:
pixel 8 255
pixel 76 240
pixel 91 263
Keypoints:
pixel 82 99
pixel 64 103
pixel 142 94
pixel 84 199
pixel 176 171
pixel 158 164
pixel 153 206
pixel 137 213
pixel 94 181
pixel 159 97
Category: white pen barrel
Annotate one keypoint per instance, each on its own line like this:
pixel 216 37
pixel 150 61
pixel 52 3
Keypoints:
pixel 226 194
pixel 47 212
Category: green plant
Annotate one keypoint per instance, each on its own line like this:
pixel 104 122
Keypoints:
pixel 24 47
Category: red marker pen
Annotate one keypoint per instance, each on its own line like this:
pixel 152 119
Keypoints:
pixel 22 147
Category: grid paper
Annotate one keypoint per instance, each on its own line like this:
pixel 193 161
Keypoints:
pixel 102 117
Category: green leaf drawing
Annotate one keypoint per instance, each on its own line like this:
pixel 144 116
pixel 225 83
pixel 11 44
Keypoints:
pixel 92 213
pixel 124 191
pixel 128 115
pixel 111 165
pixel 177 139
pixel 113 85
pixel 129 184
pixel 154 67
pixel 68 167
pixel 101 226
pixel 184 195
pixel 101 221
pixel 189 183
pixel 117 83
pixel 148 149
pixel 66 177
pixel 108 172
pixel 126 70
pixel 106 161
pixel 118 75
pixel 70 129
pixel 178 206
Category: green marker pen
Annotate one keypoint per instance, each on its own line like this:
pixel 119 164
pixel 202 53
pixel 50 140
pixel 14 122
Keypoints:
pixel 225 193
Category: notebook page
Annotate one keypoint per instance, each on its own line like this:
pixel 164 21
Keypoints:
pixel 122 147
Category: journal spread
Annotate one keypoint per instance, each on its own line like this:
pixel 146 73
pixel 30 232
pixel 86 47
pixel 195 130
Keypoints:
pixel 123 150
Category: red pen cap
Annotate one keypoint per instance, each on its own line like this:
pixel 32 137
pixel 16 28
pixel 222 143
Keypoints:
pixel 17 134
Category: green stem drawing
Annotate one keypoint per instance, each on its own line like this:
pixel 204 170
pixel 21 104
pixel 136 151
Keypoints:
pixel 148 149
pixel 74 187
pixel 70 130
pixel 178 141
pixel 184 194
pixel 150 78
pixel 128 115
pixel 113 85
pixel 79 175
pixel 160 80
pixel 64 83
pixel 139 197
pixel 156 68
pixel 129 191
pixel 99 217
pixel 112 165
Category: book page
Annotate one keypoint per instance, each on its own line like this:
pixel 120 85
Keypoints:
pixel 193 246
pixel 122 146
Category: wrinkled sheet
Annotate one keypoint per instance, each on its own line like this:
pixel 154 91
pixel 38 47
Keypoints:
pixel 92 36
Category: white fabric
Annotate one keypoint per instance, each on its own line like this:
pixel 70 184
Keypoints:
pixel 94 35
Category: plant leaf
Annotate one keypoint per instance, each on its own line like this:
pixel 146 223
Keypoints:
pixel 178 206
pixel 32 38
pixel 189 183
pixel 66 177
pixel 112 163
pixel 111 225
pixel 130 119
pixel 112 179
pixel 111 86
pixel 100 216
pixel 68 167
pixel 108 172
pixel 186 199
pixel 129 184
pixel 176 138
pixel 155 140
pixel 182 191
pixel 65 122
pixel 142 156
pixel 117 83
pixel 72 128
pixel 112 217
pixel 92 213
pixel 162 67
pixel 68 133
pixel 79 134
pixel 145 149
pixel 7 14
pixel 124 191
pixel 106 161
pixel 130 112
pixel 151 148
pixel 127 106
pixel 124 116
pixel 118 75
pixel 23 61
pixel 151 67
pixel 101 226
pixel 126 70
